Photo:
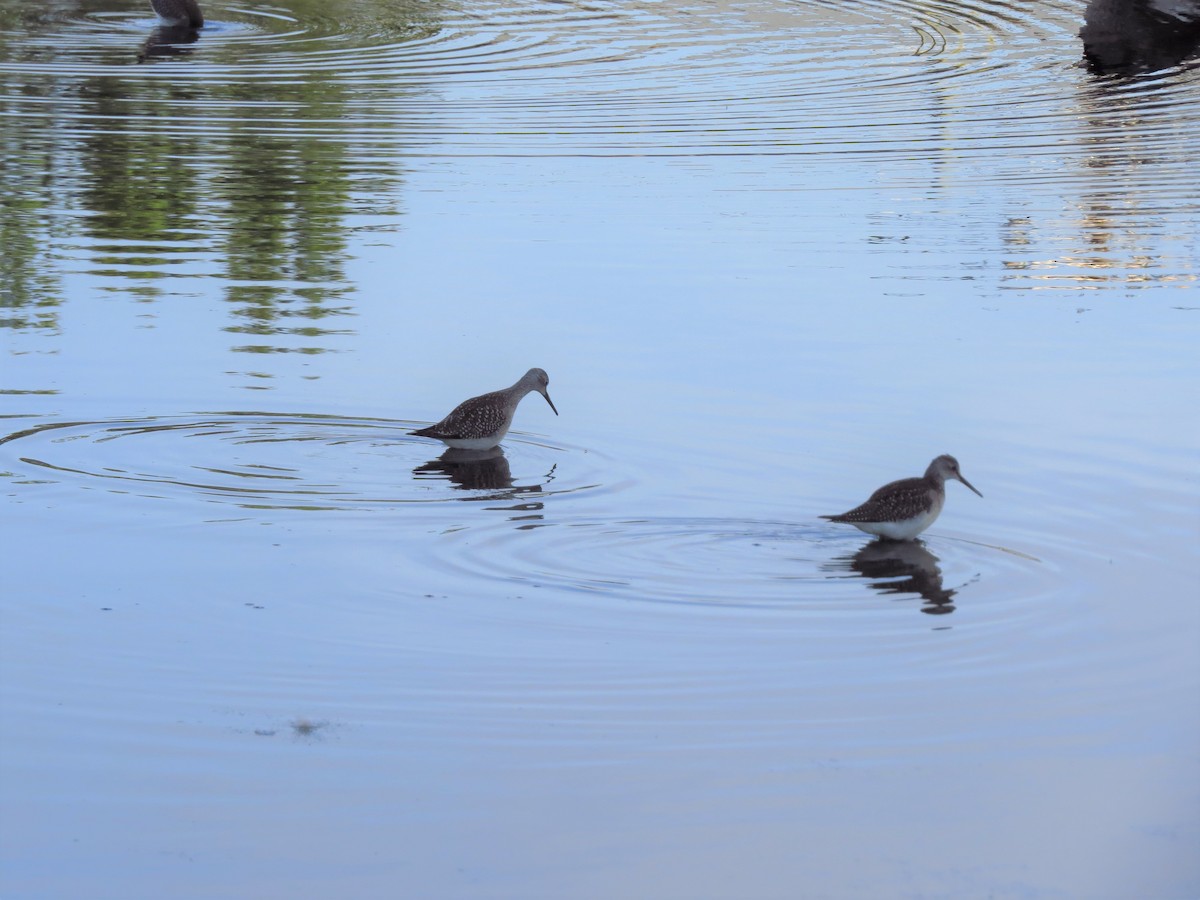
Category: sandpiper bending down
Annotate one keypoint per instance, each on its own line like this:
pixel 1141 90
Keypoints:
pixel 483 421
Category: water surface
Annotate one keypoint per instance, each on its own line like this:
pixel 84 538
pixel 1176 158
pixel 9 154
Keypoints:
pixel 259 641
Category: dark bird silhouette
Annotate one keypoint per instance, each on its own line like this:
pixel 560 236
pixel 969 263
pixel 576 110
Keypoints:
pixel 1128 36
pixel 179 13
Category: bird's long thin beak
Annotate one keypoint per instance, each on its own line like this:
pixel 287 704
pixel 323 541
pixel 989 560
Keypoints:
pixel 546 394
pixel 968 484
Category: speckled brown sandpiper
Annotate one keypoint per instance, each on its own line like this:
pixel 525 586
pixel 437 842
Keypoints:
pixel 483 421
pixel 903 509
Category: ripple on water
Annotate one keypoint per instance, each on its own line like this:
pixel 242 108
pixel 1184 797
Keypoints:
pixel 736 565
pixel 721 615
pixel 575 78
pixel 300 462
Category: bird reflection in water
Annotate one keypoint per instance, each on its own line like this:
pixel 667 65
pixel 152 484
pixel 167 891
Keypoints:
pixel 481 470
pixel 168 40
pixel 179 24
pixel 901 567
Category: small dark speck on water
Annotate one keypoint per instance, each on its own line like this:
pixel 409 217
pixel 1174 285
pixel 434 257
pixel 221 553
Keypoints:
pixel 307 728
pixel 265 732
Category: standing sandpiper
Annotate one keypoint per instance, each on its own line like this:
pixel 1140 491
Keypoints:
pixel 179 13
pixel 483 421
pixel 903 509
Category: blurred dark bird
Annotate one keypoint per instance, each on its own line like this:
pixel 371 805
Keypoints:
pixel 179 13
pixel 1127 36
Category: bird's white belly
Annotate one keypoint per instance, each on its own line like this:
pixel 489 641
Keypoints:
pixel 483 443
pixel 903 530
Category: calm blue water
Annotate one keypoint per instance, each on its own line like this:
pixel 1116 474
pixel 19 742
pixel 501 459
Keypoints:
pixel 257 641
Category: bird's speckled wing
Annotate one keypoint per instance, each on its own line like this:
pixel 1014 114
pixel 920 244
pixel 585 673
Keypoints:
pixel 893 502
pixel 478 417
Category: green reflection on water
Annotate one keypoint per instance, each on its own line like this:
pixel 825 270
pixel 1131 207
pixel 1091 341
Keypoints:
pixel 29 287
pixel 240 164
